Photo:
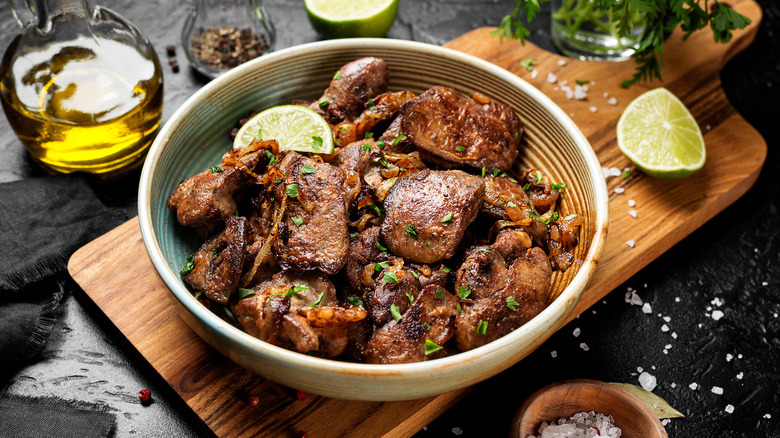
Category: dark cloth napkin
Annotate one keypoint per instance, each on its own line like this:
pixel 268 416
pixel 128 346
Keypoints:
pixel 42 222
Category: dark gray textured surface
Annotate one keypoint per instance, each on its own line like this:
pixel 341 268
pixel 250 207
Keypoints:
pixel 733 261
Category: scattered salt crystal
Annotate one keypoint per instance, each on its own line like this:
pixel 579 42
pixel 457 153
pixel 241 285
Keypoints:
pixel 717 302
pixel 571 114
pixel 775 315
pixel 717 314
pixel 630 242
pixel 554 354
pixel 764 283
pixel 606 94
pixel 647 308
pixel 667 319
pixel 593 109
pixel 674 335
pixel 674 385
pixel 605 171
pixel 576 332
pixel 664 328
pixel 740 375
pixel 551 78
pixel 708 127
pixel 584 346
pixel 665 421
pixel 569 92
pixel 631 203
pixel 619 190
pixel 693 386
pixel 632 298
pixel 767 416
pixel 561 62
pixel 666 351
pixel 729 357
pixel 739 356
pixel 594 312
pixel 534 74
pixel 603 301
pixel 708 308
pixel 717 390
pixel 457 431
pixel 729 409
pixel 645 285
pixel 700 324
pixel 555 88
pixel 579 93
pixel 652 367
pixel 639 369
pixel 612 101
pixel 668 346
pixel 615 171
pixel 632 213
pixel 647 381
pixel 676 299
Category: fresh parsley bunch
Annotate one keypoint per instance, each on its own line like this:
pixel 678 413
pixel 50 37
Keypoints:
pixel 662 17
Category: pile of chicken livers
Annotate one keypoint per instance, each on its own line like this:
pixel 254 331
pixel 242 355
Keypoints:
pixel 410 242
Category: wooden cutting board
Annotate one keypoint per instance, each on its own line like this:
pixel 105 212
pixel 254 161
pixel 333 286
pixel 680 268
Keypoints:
pixel 116 273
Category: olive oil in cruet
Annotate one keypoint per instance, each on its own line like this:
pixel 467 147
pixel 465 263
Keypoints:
pixel 81 87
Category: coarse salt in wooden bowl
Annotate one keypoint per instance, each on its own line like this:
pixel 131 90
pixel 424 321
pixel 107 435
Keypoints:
pixel 566 398
pixel 196 136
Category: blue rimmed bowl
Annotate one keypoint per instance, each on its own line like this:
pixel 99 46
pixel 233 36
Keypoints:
pixel 196 136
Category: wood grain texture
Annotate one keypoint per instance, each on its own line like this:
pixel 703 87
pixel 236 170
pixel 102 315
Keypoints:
pixel 116 273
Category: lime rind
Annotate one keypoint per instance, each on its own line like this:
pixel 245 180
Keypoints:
pixel 660 136
pixel 293 126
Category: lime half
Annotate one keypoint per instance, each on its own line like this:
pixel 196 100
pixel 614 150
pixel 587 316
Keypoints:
pixel 660 136
pixel 352 18
pixel 295 127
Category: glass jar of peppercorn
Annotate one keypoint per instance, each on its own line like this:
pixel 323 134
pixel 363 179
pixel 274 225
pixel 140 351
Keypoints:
pixel 221 34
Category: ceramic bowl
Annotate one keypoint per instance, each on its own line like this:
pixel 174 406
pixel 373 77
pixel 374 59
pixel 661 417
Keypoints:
pixel 197 135
pixel 566 398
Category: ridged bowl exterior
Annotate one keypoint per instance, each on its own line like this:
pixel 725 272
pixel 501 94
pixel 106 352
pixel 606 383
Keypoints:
pixel 197 135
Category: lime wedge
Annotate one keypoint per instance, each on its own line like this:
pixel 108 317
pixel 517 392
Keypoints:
pixel 352 18
pixel 660 136
pixel 295 127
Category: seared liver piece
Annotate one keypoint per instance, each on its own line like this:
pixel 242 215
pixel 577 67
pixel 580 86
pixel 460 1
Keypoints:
pixel 362 251
pixel 320 239
pixel 450 129
pixel 427 213
pixel 357 82
pixel 217 264
pixel 385 294
pixel 508 201
pixel 432 316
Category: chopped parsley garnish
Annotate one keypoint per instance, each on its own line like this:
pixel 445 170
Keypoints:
pixel 245 293
pixel 582 81
pixel 439 293
pixel 355 301
pixel 365 147
pixel 558 187
pixel 511 204
pixel 460 148
pixel 216 169
pixel 526 63
pixel 235 213
pixel 431 347
pixel 292 190
pixel 297 220
pixel 198 295
pixel 379 246
pixel 248 318
pixel 316 142
pixel 381 160
pixel 539 177
pixel 415 275
pixel 570 217
pixel 353 235
pixel 482 328
pixel 319 299
pixel 460 309
pixel 398 139
pixel 464 291
pixel 271 157
pixel 410 297
pixel 294 290
pixel 512 303
pixel 342 129
pixel 447 217
pixel 484 250
pixel 446 270
pixel 427 326
pixel 526 187
pixel 368 135
pixel 500 202
pixel 381 266
pixel 483 171
pixel 496 171
pixel 380 144
pixel 513 180
pixel 411 232
pixel 371 105
pixel 378 208
pixel 189 266
pixel 324 102
pixel 213 251
pixel 389 277
pixel 337 76
pixel 395 312
pixel 626 174
pixel 308 168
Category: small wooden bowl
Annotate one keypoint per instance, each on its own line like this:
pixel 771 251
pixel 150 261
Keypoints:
pixel 566 398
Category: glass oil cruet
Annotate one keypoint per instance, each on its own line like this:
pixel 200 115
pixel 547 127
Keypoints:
pixel 81 87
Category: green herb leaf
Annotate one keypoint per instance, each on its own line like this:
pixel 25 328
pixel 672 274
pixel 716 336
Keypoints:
pixel 271 157
pixel 431 347
pixel 513 180
pixel 308 168
pixel 389 277
pixel 526 63
pixel 244 293
pixel 380 143
pixel 439 293
pixel 539 177
pixel 379 267
pixel 295 289
pixel 395 312
pixel 483 171
pixel 353 235
pixel 248 319
pixel 368 135
pixel 446 270
pixel 460 148
pixel 398 139
pixel 582 82
pixel 463 291
pixel 316 142
pixel 216 169
pixel 511 204
pixel 460 309
pixel 415 274
pixel 482 328
pixel 323 102
pixel 512 303
pixel 319 299
pixel 337 76
pixel 213 251
pixel 379 246
pixel 484 250
pixel 626 174
pixel 292 190
pixel 410 297
pixel 355 301
pixel 371 105
pixel 526 187
pixel 570 217
pixel 447 217
pixel 496 171
pixel 427 326
pixel 411 232
pixel 365 147
pixel 297 221
pixel 189 266
pixel 378 208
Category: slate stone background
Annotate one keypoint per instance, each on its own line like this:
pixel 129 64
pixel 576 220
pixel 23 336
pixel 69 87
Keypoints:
pixel 731 264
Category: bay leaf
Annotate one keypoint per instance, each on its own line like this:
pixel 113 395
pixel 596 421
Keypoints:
pixel 661 408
